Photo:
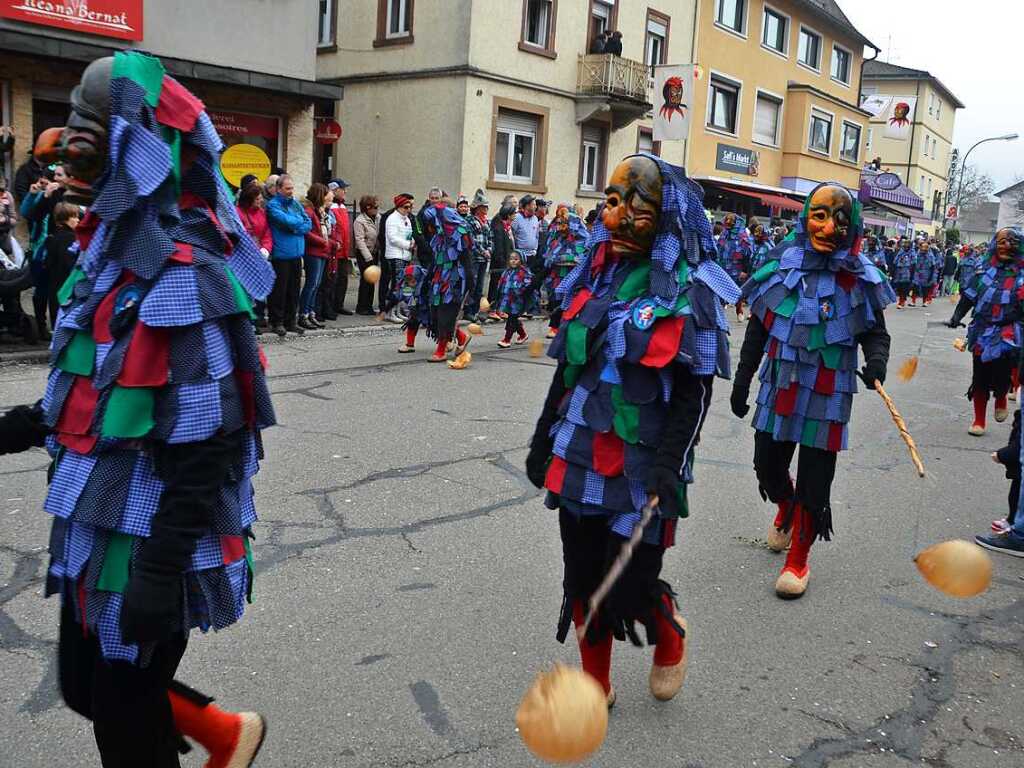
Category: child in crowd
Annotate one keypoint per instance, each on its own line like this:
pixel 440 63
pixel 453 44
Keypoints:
pixel 1009 457
pixel 514 287
pixel 59 260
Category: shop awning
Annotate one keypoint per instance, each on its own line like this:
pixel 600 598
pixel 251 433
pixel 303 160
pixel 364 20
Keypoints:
pixel 773 201
pixel 901 210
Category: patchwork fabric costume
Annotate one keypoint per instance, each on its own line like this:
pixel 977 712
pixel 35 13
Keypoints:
pixel 412 289
pixel 994 297
pixel 735 249
pixel 564 250
pixel 811 309
pixel 156 399
pixel 450 277
pixel 514 290
pixel 760 252
pixel 902 273
pixel 643 335
pixel 926 275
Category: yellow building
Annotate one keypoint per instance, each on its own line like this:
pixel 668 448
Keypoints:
pixel 921 162
pixel 776 110
pixel 465 94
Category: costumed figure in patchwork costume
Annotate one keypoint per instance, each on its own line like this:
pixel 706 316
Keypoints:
pixel 903 272
pixel 926 274
pixel 874 251
pixel 450 278
pixel 994 335
pixel 412 290
pixel 643 334
pixel 566 245
pixel 970 265
pixel 514 290
pixel 763 244
pixel 155 403
pixel 812 304
pixel 734 252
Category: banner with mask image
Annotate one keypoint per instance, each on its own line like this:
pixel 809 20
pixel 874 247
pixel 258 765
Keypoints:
pixel 899 119
pixel 673 98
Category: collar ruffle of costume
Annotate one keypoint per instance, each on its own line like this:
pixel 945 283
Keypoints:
pixel 154 342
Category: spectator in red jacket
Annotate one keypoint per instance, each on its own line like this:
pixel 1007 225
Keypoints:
pixel 319 249
pixel 254 219
pixel 335 283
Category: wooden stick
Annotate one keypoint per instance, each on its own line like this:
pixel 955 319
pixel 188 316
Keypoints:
pixel 901 425
pixel 625 555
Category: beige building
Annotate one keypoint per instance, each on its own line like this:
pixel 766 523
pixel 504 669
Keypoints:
pixel 466 94
pixel 777 109
pixel 922 162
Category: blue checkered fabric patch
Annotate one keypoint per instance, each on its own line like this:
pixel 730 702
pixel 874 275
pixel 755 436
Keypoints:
pixel 219 361
pixel 108 629
pixel 143 500
pixel 69 478
pixel 198 414
pixel 173 300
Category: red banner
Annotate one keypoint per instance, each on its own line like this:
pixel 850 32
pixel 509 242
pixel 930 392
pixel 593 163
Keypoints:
pixel 240 124
pixel 110 18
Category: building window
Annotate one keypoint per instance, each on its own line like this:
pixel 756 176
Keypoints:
pixel 327 24
pixel 938 107
pixel 723 104
pixel 867 143
pixel 731 14
pixel 809 52
pixel 592 156
pixel 767 112
pixel 394 22
pixel 656 44
pixel 645 142
pixel 603 15
pixel 820 139
pixel 841 59
pixel 849 150
pixel 775 31
pixel 519 141
pixel 538 23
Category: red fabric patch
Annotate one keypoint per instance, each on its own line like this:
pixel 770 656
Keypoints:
pixel 78 443
pixel 232 549
pixel 773 348
pixel 79 407
pixel 147 361
pixel 1009 282
pixel 785 400
pixel 769 319
pixel 578 301
pixel 846 280
pixel 86 229
pixel 246 391
pixel 997 311
pixel 263 359
pixel 826 382
pixel 556 474
pixel 664 343
pixel 835 437
pixel 855 250
pixel 182 254
pixel 1008 332
pixel 191 200
pixel 177 107
pixel 609 454
pixel 105 311
pixel 668 536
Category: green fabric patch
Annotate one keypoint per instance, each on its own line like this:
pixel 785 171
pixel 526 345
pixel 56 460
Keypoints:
pixel 145 70
pixel 576 343
pixel 114 574
pixel 766 271
pixel 817 337
pixel 810 433
pixel 684 503
pixel 830 356
pixel 787 306
pixel 770 426
pixel 242 300
pixel 251 566
pixel 79 356
pixel 627 417
pixel 129 412
pixel 64 294
pixel 636 284
pixel 571 375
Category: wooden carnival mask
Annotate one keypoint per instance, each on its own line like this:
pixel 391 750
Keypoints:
pixel 829 215
pixel 633 204
pixel 1007 244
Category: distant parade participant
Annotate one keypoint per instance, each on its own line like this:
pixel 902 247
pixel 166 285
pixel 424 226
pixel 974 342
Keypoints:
pixel 514 289
pixel 734 252
pixel 874 251
pixel 994 334
pixel 155 402
pixel 567 243
pixel 926 274
pixel 970 265
pixel 903 272
pixel 762 245
pixel 643 334
pixel 450 278
pixel 820 300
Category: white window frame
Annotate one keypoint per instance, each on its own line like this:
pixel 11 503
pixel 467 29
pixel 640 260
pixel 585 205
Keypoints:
pixel 724 27
pixel 587 167
pixel 849 68
pixel 842 136
pixel 545 44
pixel 328 17
pixel 778 125
pixel 938 107
pixel 821 45
pixel 648 34
pixel 784 53
pixel 403 10
pixel 831 133
pixel 534 137
pixel 729 80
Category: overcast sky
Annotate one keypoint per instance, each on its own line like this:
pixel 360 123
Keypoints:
pixel 975 48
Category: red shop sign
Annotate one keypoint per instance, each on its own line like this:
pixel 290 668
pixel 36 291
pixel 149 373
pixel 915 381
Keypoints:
pixel 110 18
pixel 327 131
pixel 240 124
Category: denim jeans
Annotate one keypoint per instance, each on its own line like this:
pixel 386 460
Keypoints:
pixel 481 269
pixel 314 271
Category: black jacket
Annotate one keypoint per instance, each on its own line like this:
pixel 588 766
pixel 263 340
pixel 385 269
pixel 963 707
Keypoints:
pixel 59 262
pixel 613 46
pixel 502 245
pixel 28 174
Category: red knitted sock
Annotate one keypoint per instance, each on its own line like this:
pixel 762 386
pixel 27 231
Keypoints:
pixel 980 400
pixel 596 657
pixel 210 726
pixel 669 649
pixel 410 337
pixel 803 538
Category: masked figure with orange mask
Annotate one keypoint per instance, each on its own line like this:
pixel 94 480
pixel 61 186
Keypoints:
pixel 154 405
pixel 643 334
pixel 994 295
pixel 816 299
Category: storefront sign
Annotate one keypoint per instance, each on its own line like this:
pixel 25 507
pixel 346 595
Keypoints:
pixel 241 159
pixel 887 181
pixel 230 124
pixel 327 131
pixel 736 160
pixel 110 18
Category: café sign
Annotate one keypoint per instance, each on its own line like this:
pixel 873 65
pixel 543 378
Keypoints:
pixel 736 160
pixel 110 18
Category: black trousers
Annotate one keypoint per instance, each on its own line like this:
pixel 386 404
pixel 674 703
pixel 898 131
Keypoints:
pixel 994 377
pixel 493 294
pixel 128 705
pixel 364 300
pixel 513 325
pixel 815 472
pixel 284 299
pixel 340 285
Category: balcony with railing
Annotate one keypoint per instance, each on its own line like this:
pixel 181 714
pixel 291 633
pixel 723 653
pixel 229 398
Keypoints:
pixel 605 82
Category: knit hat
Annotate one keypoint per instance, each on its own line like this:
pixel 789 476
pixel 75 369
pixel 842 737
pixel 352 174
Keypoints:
pixel 462 199
pixel 402 199
pixel 479 199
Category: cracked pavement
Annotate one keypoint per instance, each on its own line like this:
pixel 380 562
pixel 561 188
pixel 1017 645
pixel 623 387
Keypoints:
pixel 408 584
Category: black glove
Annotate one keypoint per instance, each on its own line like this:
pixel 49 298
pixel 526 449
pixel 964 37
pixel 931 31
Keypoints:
pixel 663 482
pixel 872 372
pixel 738 401
pixel 537 461
pixel 152 604
pixel 22 428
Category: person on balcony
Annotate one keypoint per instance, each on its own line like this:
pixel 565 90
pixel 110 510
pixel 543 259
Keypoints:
pixel 613 44
pixel 597 45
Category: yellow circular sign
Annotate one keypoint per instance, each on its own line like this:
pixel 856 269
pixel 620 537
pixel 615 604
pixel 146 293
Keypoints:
pixel 241 159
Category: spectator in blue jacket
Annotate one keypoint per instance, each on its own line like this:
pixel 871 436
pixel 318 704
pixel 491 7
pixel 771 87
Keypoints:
pixel 288 226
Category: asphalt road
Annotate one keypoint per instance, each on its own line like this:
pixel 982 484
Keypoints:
pixel 408 583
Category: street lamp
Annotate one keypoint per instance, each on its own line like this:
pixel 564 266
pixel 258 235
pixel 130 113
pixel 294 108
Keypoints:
pixel 963 164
